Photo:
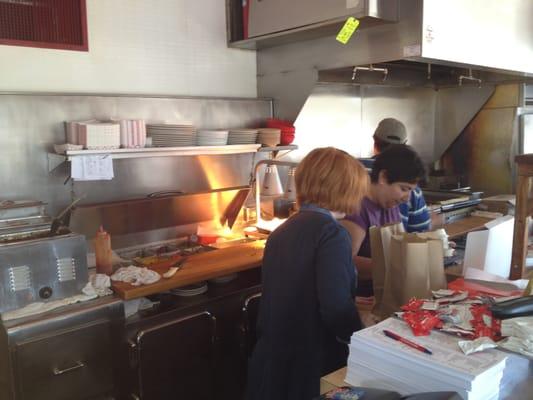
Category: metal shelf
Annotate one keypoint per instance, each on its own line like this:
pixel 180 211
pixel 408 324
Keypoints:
pixel 167 151
pixel 278 148
pixel 55 160
pixel 275 150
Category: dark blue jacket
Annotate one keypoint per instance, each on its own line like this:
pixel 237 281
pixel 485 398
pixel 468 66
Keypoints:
pixel 307 307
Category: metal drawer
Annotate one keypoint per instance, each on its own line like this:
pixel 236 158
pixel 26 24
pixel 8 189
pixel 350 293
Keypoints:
pixel 74 364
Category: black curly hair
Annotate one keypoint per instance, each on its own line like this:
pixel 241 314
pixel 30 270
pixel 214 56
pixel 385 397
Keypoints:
pixel 400 163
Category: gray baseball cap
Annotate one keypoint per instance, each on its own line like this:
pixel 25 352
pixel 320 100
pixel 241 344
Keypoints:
pixel 390 130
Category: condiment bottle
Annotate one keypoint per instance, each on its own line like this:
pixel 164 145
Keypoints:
pixel 102 250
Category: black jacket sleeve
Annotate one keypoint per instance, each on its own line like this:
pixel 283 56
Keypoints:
pixel 336 282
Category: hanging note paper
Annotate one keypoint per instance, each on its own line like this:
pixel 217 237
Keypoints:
pixel 347 30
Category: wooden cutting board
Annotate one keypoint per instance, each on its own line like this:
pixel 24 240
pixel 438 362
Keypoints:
pixel 198 267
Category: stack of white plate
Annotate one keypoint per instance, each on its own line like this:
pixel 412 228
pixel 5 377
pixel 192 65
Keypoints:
pixel 169 135
pixel 191 290
pixel 242 136
pixel 269 136
pixel 223 279
pixel 212 138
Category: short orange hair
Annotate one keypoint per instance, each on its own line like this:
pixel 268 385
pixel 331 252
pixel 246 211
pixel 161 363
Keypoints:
pixel 331 179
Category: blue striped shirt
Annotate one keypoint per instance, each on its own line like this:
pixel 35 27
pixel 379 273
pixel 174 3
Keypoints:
pixel 415 214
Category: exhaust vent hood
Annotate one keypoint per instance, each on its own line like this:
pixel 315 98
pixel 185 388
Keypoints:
pixel 276 22
pixel 434 43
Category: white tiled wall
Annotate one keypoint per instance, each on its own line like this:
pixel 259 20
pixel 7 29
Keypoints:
pixel 175 47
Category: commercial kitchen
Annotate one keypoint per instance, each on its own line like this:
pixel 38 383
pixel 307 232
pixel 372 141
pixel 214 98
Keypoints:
pixel 165 135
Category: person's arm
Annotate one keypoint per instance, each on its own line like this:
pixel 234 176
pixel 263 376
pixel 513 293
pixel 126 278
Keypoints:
pixel 357 234
pixel 335 282
pixel 419 218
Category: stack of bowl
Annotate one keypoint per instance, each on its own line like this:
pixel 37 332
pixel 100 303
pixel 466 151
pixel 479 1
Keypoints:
pixel 269 137
pixel 287 130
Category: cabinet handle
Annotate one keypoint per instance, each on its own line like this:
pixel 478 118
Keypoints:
pixel 133 353
pixel 58 371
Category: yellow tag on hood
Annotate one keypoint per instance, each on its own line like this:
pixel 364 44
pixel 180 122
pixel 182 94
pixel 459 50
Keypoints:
pixel 350 26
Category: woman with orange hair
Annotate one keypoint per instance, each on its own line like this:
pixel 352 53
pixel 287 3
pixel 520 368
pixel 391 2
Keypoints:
pixel 307 312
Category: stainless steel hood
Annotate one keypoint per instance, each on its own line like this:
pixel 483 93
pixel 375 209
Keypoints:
pixel 473 37
pixel 277 22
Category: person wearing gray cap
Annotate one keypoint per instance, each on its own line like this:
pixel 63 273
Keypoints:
pixel 389 131
pixel 414 213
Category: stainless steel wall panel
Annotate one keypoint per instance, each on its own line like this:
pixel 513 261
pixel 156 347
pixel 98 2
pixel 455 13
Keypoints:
pixel 31 123
pixel 345 116
pixel 156 216
pixel 455 108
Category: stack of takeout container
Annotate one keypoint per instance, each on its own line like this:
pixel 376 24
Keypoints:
pixel 99 135
pixel 242 136
pixel 132 133
pixel 72 130
pixel 93 134
pixel 172 135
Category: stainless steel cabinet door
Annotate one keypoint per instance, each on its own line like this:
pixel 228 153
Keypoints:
pixel 75 364
pixel 176 359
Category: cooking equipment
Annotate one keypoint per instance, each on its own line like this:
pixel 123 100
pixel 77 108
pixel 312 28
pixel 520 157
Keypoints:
pixel 22 219
pixel 63 217
pixel 234 207
pixel 45 268
pixel 283 208
pixel 147 220
pixel 452 205
pixel 272 224
pixel 519 307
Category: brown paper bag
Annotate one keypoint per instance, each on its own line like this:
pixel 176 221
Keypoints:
pixel 416 268
pixel 380 238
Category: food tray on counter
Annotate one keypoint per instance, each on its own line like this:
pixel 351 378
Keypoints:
pixel 198 267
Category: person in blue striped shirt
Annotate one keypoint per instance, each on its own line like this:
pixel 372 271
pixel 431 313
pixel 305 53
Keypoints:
pixel 415 214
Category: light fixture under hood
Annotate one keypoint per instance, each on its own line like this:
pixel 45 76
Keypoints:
pixel 271 182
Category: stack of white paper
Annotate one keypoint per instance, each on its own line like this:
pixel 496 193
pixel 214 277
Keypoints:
pixel 380 362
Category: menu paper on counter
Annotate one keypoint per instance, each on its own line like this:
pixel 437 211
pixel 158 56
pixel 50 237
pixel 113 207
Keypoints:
pixel 92 168
pixel 377 361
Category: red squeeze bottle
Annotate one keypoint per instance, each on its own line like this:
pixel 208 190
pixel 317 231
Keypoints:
pixel 102 251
